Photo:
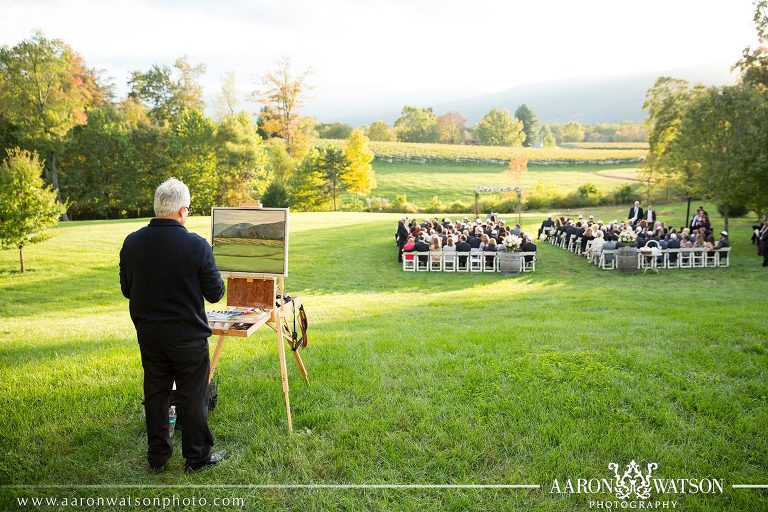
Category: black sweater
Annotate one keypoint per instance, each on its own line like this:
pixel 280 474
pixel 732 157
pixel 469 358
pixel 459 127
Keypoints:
pixel 165 272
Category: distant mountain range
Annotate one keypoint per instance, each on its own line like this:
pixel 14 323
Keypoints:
pixel 606 99
pixel 269 231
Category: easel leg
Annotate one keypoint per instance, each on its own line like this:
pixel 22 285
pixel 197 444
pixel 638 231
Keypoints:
pixel 216 354
pixel 301 366
pixel 283 369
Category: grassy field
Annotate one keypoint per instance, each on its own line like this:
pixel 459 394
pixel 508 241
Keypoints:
pixel 416 378
pixel 458 151
pixel 452 182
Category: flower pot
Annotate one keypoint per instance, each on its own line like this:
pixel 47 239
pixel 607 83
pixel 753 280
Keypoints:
pixel 626 259
pixel 510 262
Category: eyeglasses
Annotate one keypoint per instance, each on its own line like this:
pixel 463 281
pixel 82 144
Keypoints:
pixel 187 208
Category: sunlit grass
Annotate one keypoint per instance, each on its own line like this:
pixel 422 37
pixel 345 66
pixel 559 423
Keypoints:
pixel 416 378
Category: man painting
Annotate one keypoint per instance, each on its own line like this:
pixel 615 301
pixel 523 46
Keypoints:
pixel 166 272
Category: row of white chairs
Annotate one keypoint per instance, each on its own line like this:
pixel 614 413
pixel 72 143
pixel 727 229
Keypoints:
pixel 698 257
pixel 647 258
pixel 473 261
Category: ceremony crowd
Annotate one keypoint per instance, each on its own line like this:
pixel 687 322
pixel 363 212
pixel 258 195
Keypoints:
pixel 459 236
pixel 640 229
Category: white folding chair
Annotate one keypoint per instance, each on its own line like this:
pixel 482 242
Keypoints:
pixel 725 251
pixel 449 261
pixel 586 249
pixel 608 259
pixel 409 265
pixel 710 259
pixel 529 266
pixel 435 261
pixel 462 256
pixel 476 260
pixel 490 262
pixel 422 261
pixel 698 256
pixel 685 258
pixel 672 258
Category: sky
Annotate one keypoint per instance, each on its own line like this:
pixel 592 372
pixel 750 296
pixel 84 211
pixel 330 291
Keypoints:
pixel 365 52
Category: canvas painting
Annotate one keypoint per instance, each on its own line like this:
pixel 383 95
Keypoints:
pixel 250 240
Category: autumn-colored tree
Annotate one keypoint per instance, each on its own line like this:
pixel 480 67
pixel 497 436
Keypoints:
pixel 284 93
pixel 360 178
pixel 379 130
pixel 45 90
pixel 450 128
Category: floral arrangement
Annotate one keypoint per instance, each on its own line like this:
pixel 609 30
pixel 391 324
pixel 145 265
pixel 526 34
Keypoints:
pixel 627 236
pixel 513 242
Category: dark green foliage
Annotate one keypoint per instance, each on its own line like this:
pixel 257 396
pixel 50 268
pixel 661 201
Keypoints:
pixel 734 211
pixel 276 196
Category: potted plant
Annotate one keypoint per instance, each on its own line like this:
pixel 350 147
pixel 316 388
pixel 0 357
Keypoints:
pixel 510 257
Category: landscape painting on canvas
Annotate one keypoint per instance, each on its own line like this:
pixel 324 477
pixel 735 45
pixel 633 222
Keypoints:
pixel 250 240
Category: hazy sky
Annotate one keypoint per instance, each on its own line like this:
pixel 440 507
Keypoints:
pixel 367 51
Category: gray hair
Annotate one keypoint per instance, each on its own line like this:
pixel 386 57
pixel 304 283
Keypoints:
pixel 171 196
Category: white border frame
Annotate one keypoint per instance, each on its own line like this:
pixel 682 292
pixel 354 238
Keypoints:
pixel 227 273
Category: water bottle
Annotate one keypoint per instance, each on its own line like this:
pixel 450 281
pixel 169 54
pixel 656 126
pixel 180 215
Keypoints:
pixel 171 419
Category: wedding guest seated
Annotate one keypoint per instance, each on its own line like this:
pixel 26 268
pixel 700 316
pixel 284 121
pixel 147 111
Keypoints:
pixel 474 241
pixel 527 246
pixel 435 249
pixel 597 246
pixel 723 242
pixel 463 246
pixel 421 246
pixel 490 247
pixel 449 246
pixel 673 243
pixel 409 247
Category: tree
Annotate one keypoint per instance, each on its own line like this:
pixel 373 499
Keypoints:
pixel 753 64
pixel 499 128
pixel 380 131
pixel 361 177
pixel 572 132
pixel 416 125
pixel 241 160
pixel 276 196
pixel 99 165
pixel 45 90
pixel 335 168
pixel 27 207
pixel 284 94
pixel 280 164
pixel 530 124
pixel 306 186
pixel 333 130
pixel 192 158
pixel 724 133
pixel 229 97
pixel 167 93
pixel 450 128
pixel 546 137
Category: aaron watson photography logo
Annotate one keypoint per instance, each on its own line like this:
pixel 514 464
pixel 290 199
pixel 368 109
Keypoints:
pixel 635 488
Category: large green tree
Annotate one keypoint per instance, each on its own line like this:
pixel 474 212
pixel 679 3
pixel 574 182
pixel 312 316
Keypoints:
pixel 306 185
pixel 499 128
pixel 416 125
pixel 27 207
pixel 379 130
pixel 241 160
pixel 451 127
pixel 45 90
pixel 192 158
pixel 168 92
pixel 530 124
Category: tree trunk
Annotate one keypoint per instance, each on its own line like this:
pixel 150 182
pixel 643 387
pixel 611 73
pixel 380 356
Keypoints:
pixel 21 258
pixel 55 181
pixel 726 211
pixel 334 196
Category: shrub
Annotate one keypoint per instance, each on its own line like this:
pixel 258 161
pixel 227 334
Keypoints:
pixel 734 211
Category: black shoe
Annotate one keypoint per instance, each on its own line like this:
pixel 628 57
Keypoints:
pixel 215 458
pixel 156 469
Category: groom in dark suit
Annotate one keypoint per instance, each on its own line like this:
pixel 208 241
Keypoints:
pixel 635 213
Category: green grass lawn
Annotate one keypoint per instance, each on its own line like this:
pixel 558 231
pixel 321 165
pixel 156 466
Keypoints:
pixel 452 182
pixel 416 378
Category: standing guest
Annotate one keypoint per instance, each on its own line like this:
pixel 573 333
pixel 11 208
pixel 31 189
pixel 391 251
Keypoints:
pixel 764 243
pixel 650 216
pixel 635 213
pixel 762 247
pixel 698 218
pixel 166 272
pixel 401 237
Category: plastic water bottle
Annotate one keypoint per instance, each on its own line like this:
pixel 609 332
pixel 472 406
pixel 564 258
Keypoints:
pixel 171 419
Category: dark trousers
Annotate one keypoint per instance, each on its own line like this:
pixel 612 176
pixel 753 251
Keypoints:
pixel 187 363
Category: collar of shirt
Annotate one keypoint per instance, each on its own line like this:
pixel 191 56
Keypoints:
pixel 165 222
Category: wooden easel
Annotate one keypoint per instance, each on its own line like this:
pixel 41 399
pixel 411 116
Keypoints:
pixel 259 292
